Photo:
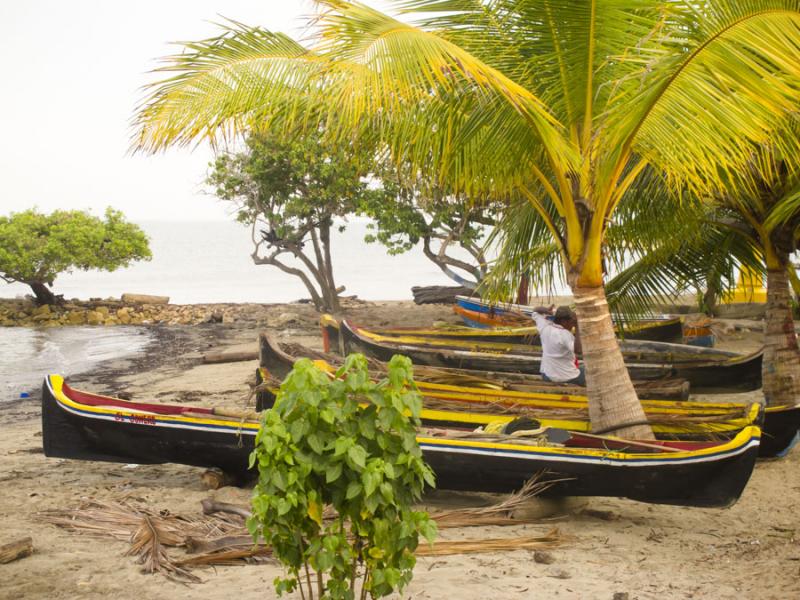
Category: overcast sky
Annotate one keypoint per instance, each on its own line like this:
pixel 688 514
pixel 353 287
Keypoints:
pixel 72 75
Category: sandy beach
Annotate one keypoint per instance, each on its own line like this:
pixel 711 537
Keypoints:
pixel 612 548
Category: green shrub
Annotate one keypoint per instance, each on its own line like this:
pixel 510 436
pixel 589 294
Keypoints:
pixel 350 444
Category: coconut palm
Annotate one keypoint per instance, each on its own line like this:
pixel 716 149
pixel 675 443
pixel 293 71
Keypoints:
pixel 562 102
pixel 754 224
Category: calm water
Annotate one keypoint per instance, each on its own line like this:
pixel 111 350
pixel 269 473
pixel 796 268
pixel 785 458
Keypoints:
pixel 193 263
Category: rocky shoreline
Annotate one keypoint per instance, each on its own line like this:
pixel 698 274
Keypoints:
pixel 25 313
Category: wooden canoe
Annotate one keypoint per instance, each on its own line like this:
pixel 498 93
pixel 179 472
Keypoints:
pixel 481 392
pixel 85 426
pixel 478 313
pixel 666 387
pixel 707 369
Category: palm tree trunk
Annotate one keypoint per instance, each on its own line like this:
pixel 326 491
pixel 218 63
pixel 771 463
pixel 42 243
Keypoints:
pixel 781 366
pixel 614 407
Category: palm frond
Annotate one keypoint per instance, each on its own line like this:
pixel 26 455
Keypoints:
pixel 726 77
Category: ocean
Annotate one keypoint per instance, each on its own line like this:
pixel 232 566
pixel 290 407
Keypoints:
pixel 209 261
pixel 193 263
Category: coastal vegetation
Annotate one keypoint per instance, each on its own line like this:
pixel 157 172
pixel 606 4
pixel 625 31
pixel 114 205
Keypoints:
pixel 562 104
pixel 346 445
pixel 289 191
pixel 35 248
pixel 413 210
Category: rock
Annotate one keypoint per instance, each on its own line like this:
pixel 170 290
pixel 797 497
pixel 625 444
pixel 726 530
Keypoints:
pixel 228 318
pixel 44 309
pixel 284 319
pixel 621 596
pixel 559 574
pixel 76 318
pixel 543 557
pixel 42 317
pixel 103 310
pixel 93 317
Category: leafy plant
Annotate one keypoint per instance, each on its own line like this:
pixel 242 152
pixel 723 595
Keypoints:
pixel 350 444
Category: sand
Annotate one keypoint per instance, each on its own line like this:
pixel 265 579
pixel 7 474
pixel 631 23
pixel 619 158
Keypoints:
pixel 612 547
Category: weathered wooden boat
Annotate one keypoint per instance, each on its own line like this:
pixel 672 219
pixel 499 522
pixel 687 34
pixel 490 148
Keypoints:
pixel 478 313
pixel 706 369
pixel 509 335
pixel 85 426
pixel 442 390
pixel 664 388
pixel 490 320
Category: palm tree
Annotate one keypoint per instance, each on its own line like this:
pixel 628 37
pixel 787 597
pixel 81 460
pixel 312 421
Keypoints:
pixel 753 224
pixel 563 103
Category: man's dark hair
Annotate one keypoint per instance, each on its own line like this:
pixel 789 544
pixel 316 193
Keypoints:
pixel 564 313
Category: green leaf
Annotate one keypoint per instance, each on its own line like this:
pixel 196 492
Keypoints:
pixel 315 443
pixel 333 473
pixel 358 455
pixel 353 490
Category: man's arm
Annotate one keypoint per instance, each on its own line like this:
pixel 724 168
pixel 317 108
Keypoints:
pixel 539 316
pixel 578 348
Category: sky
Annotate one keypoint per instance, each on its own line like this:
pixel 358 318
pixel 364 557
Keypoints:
pixel 72 77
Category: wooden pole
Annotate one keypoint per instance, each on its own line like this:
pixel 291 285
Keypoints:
pixel 227 357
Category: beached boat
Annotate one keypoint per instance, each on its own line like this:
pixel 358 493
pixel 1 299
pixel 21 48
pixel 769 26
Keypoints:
pixel 664 388
pixel 706 369
pixel 478 313
pixel 85 426
pixel 447 390
pixel 509 335
pixel 490 320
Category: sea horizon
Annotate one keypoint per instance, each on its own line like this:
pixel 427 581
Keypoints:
pixel 205 261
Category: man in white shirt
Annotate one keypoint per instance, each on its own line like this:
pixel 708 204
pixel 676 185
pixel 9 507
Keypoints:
pixel 559 345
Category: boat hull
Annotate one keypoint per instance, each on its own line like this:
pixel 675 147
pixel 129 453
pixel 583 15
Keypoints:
pixel 709 477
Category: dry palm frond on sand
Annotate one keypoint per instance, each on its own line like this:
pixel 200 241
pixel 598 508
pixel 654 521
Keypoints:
pixel 222 538
pixel 148 532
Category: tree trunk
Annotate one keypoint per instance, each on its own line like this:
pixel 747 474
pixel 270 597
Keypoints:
pixel 42 292
pixel 781 365
pixel 614 407
pixel 327 267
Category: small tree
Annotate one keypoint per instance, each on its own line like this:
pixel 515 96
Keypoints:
pixel 346 443
pixel 35 248
pixel 407 214
pixel 289 190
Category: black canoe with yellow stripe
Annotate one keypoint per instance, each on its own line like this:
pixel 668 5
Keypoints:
pixel 85 426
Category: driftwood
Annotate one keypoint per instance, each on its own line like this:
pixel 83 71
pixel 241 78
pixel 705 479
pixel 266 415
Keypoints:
pixel 144 299
pixel 214 479
pixel 228 357
pixel 439 294
pixel 211 506
pixel 199 545
pixel 16 550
